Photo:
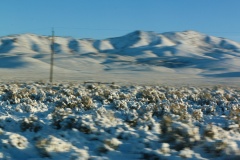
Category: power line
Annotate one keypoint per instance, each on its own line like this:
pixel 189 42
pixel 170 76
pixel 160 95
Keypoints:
pixel 52 54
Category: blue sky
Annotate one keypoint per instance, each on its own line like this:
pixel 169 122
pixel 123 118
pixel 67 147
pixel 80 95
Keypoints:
pixel 110 18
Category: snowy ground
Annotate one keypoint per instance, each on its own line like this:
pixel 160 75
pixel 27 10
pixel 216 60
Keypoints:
pixel 77 121
pixel 79 69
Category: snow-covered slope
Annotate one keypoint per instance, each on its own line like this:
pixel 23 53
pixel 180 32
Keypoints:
pixel 179 41
pixel 189 52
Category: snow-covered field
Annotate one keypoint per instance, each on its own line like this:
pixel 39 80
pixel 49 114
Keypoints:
pixel 175 95
pixel 97 121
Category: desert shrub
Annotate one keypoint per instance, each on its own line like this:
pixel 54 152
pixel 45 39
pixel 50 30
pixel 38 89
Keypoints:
pixel 18 141
pixel 214 132
pixel 204 98
pixel 209 109
pixel 87 102
pixel 166 123
pixel 186 153
pixel 165 148
pixel 66 91
pixel 68 122
pixel 235 114
pixel 39 95
pixel 178 108
pixel 229 97
pixel 103 113
pixel 14 93
pixel 150 94
pixel 151 154
pixel 1 131
pixel 58 116
pixel 222 147
pixel 63 118
pixel 114 86
pixel 50 145
pixel 197 114
pixel 10 96
pixel 112 143
pixel 85 125
pixel 32 124
pixel 179 134
pixel 121 104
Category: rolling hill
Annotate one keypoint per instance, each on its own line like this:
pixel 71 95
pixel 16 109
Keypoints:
pixel 137 56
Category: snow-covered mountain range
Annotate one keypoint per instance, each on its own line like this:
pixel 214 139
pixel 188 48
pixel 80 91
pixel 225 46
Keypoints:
pixel 165 44
pixel 189 52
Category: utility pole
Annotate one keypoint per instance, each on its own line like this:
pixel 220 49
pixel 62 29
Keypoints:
pixel 52 54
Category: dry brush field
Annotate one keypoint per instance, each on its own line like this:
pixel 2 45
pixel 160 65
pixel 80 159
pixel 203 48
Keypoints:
pixel 95 121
